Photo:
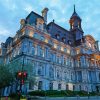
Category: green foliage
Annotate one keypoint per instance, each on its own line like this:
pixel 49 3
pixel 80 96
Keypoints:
pixel 18 65
pixel 15 96
pixel 62 93
pixel 53 93
pixel 6 77
pixel 37 93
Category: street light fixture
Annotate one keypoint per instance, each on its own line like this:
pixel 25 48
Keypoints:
pixel 21 77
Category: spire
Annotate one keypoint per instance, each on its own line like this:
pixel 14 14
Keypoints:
pixel 74 8
pixel 75 13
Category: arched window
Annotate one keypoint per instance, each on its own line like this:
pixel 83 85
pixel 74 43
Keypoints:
pixel 57 36
pixel 63 39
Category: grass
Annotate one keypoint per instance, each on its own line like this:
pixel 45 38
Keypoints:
pixel 4 98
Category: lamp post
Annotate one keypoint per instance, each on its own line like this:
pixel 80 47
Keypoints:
pixel 21 77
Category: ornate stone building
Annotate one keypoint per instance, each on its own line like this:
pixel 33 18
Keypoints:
pixel 62 59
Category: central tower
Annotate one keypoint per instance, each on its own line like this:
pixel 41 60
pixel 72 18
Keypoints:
pixel 75 26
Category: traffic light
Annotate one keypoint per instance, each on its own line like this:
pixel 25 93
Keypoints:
pixel 24 75
pixel 22 81
pixel 19 75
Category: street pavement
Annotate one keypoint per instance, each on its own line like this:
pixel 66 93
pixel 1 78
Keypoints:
pixel 68 98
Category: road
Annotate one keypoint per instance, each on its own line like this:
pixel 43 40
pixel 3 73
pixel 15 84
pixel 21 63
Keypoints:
pixel 68 98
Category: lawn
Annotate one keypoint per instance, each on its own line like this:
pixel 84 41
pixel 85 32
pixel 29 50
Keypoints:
pixel 4 98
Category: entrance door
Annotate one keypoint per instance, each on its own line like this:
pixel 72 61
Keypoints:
pixel 97 88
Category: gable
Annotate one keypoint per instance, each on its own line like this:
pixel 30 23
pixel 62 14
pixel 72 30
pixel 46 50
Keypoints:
pixel 32 18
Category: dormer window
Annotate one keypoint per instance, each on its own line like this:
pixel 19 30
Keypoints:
pixel 69 42
pixel 35 35
pixel 40 26
pixel 40 23
pixel 90 45
pixel 42 38
pixel 63 39
pixel 57 36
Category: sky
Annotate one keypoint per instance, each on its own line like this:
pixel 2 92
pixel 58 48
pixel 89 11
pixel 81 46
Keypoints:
pixel 12 11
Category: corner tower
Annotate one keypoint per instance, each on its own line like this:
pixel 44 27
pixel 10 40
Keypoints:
pixel 75 26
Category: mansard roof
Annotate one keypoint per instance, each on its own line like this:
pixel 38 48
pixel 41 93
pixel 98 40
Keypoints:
pixel 52 23
pixel 35 14
pixel 32 17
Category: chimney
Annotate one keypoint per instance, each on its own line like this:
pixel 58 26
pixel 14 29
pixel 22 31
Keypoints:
pixel 44 14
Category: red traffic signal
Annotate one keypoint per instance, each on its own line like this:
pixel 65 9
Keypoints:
pixel 24 74
pixel 22 81
pixel 19 73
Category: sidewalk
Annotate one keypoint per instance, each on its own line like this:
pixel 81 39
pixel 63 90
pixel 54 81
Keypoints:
pixel 67 98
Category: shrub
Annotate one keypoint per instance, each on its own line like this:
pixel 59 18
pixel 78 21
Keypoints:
pixel 56 93
pixel 37 93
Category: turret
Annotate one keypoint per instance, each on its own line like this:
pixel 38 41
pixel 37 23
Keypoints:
pixel 75 28
pixel 75 21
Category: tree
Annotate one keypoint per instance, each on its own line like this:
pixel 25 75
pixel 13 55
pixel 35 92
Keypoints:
pixel 6 77
pixel 27 66
pixel 8 72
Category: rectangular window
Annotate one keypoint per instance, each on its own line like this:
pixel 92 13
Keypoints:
pixel 46 52
pixel 51 86
pixel 59 86
pixel 79 76
pixel 40 85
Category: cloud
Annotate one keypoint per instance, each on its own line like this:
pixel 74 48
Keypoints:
pixel 13 10
pixel 28 8
pixel 4 31
pixel 9 4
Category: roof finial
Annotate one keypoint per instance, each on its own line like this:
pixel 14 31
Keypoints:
pixel 74 8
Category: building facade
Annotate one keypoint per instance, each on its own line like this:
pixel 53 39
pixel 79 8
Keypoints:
pixel 61 59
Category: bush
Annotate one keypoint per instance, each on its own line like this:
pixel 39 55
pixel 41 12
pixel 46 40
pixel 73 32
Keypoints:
pixel 53 93
pixel 56 93
pixel 82 93
pixel 15 96
pixel 37 93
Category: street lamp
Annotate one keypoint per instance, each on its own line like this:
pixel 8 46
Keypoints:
pixel 21 77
